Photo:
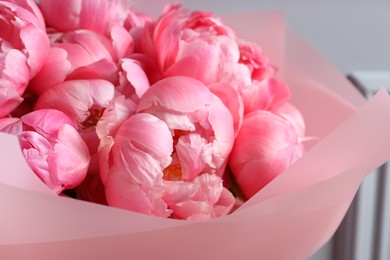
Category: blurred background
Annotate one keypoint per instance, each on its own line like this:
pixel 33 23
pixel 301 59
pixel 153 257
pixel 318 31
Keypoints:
pixel 354 35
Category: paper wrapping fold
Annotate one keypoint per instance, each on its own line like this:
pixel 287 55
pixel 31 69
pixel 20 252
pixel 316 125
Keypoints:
pixel 289 219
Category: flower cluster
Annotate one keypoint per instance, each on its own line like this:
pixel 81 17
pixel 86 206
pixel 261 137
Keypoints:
pixel 172 117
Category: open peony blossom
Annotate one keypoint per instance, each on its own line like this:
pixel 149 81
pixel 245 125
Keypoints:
pixel 24 47
pixel 169 158
pixel 51 146
pixel 265 146
pixel 80 54
pixel 195 44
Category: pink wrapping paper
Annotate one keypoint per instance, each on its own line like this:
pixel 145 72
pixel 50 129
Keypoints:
pixel 290 218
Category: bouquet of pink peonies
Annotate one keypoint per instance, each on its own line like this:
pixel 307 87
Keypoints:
pixel 201 143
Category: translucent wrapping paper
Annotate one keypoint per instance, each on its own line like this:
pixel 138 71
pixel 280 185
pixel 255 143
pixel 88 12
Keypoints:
pixel 290 218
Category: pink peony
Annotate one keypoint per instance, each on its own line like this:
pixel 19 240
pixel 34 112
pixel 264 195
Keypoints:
pixel 80 54
pixel 51 146
pixel 170 157
pixel 24 47
pixel 83 101
pixel 195 44
pixel 266 145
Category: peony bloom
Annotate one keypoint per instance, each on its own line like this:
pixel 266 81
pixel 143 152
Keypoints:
pixel 169 158
pixel 266 145
pixel 83 101
pixel 257 62
pixel 80 54
pixel 24 47
pixel 51 146
pixel 95 15
pixel 132 174
pixel 201 124
pixel 195 44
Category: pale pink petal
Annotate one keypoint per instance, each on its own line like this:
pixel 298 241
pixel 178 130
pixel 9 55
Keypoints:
pixel 79 99
pixel 232 100
pixel 133 197
pixel 134 82
pixel 97 46
pixel 11 125
pixel 182 94
pixel 69 159
pixel 32 7
pixel 97 15
pixel 114 115
pixel 53 72
pixel 46 122
pixel 61 15
pixel 190 152
pixel 14 71
pixel 37 47
pixel 149 134
pixel 266 145
pixel 122 41
pixel 77 55
pixel 179 191
pixel 9 100
pixel 101 69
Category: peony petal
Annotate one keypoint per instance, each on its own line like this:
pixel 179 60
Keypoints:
pixel 266 95
pixel 37 47
pixel 101 69
pixel 179 191
pixel 122 41
pixel 46 122
pixel 70 158
pixel 156 141
pixel 190 150
pixel 182 94
pixel 232 100
pixel 75 98
pixel 53 72
pixel 137 78
pixel 54 14
pixel 266 145
pixel 114 115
